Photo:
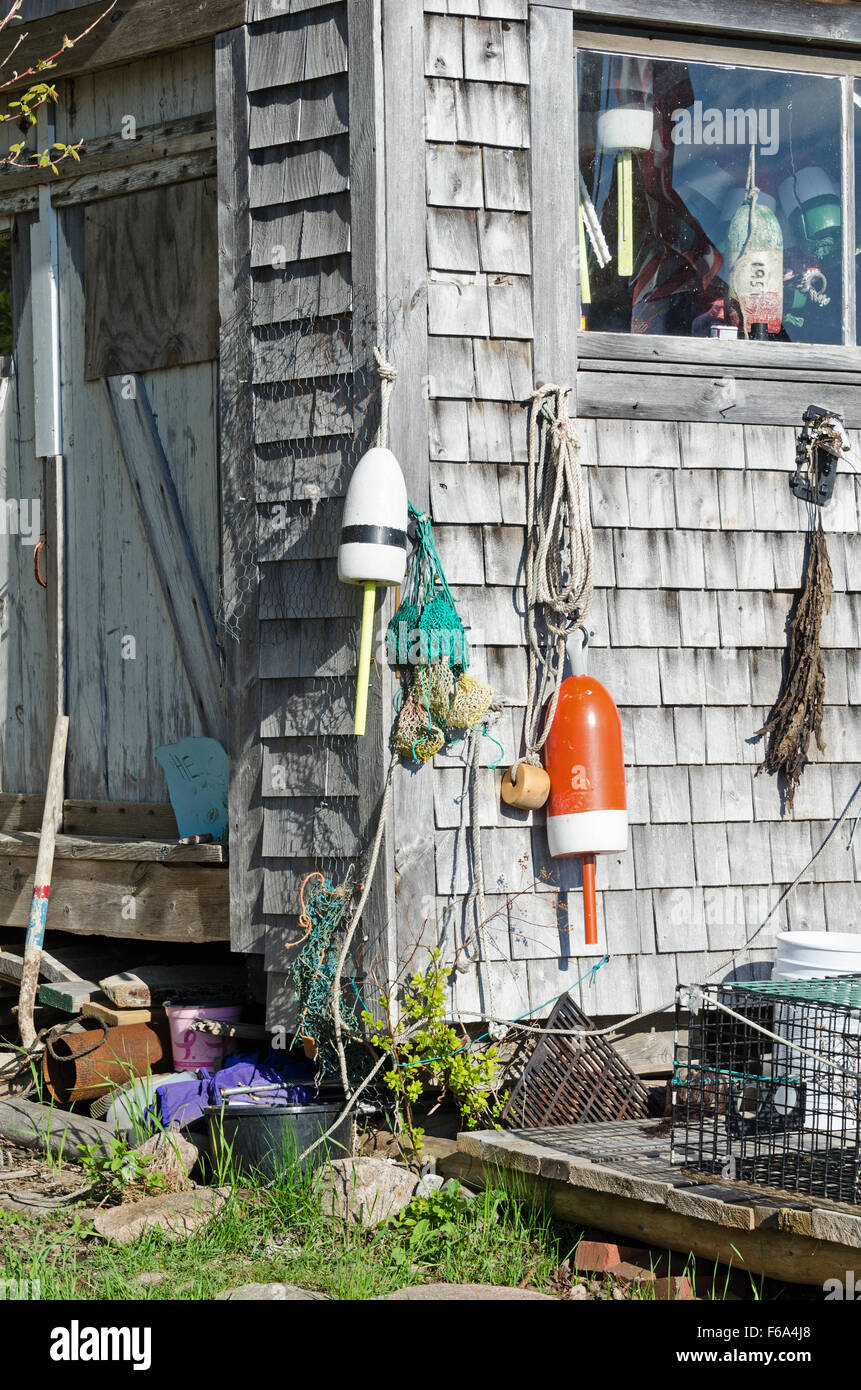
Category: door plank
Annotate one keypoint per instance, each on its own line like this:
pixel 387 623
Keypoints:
pixel 173 554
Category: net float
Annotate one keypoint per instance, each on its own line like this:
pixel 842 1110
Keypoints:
pixel 587 810
pixel 755 251
pixel 525 786
pixel 373 549
pixel 623 128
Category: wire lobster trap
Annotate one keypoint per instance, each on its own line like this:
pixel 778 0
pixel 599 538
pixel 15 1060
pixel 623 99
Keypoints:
pixel 766 1088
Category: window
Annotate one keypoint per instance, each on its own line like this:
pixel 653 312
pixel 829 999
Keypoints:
pixel 714 197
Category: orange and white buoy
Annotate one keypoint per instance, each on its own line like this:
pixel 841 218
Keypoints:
pixel 587 810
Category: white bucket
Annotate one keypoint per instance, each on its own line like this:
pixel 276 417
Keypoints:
pixel 812 955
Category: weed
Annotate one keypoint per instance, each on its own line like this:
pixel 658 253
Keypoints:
pixel 115 1171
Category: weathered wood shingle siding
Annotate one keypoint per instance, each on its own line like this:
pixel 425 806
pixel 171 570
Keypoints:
pixel 310 423
pixel 699 551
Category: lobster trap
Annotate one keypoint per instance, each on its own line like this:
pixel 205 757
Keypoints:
pixel 766 1089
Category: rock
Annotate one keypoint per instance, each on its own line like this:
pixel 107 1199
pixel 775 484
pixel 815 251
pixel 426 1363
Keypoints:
pixel 171 1155
pixel 477 1293
pixel 175 1213
pixel 151 1277
pixel 368 1191
pixel 271 1293
pixel 579 1293
pixel 431 1182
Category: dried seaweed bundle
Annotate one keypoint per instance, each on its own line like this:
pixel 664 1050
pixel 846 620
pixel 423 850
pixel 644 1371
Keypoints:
pixel 798 712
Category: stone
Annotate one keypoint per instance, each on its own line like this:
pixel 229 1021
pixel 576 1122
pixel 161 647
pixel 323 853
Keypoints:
pixel 476 1293
pixel 271 1293
pixel 368 1191
pixel 431 1182
pixel 151 1277
pixel 177 1214
pixel 171 1154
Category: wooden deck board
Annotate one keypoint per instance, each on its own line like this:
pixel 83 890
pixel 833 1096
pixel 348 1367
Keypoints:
pixel 619 1177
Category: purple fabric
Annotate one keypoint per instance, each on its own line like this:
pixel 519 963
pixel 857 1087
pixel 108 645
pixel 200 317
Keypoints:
pixel 183 1102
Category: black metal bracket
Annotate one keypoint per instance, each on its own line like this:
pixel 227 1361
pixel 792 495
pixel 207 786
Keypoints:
pixel 815 472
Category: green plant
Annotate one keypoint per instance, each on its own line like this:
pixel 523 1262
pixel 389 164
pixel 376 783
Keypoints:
pixel 440 1213
pixel 427 1051
pixel 118 1168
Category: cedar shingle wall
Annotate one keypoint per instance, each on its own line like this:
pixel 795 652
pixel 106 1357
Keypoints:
pixel 300 201
pixel 699 548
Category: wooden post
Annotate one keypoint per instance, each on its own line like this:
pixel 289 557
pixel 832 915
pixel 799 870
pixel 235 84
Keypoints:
pixel 51 819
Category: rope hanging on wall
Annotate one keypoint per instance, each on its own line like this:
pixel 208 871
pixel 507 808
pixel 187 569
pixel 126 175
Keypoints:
pixel 559 575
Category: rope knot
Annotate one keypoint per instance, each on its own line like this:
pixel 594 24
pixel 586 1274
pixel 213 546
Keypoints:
pixel 387 372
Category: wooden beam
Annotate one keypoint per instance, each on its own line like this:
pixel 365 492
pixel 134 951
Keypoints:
pixel 134 29
pixel 165 140
pixel 174 559
pixel 552 157
pixel 718 353
pixel 405 310
pixel 240 576
pixel 144 820
pixel 138 901
pixel 128 820
pixel 781 20
pixel 25 844
pixel 132 176
pixel 650 395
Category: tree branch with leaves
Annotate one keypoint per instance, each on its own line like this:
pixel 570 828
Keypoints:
pixel 24 108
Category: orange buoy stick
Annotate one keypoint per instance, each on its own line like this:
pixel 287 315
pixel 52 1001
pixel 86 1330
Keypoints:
pixel 590 901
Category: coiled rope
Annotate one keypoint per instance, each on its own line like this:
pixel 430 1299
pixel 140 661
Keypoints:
pixel 559 556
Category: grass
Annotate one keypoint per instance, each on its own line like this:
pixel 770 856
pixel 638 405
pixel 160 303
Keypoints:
pixel 278 1234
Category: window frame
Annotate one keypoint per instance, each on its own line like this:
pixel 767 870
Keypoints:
pixel 743 50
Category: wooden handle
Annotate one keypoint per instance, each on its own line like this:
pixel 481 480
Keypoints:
pixel 51 821
pixel 364 675
pixel 590 902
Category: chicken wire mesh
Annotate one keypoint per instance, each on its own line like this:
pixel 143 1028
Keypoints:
pixel 766 1086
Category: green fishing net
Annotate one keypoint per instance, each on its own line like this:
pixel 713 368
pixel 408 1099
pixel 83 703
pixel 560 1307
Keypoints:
pixel 427 640
pixel 324 918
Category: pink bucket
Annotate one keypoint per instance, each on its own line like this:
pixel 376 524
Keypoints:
pixel 194 1050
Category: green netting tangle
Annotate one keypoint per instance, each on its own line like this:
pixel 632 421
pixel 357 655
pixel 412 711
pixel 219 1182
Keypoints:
pixel 325 914
pixel 427 641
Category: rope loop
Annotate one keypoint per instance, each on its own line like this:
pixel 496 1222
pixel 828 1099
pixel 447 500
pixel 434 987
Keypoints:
pixel 559 557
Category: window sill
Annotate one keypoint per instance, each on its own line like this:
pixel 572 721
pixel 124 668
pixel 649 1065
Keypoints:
pixel 604 351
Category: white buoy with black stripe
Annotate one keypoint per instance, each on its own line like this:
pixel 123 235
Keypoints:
pixel 373 550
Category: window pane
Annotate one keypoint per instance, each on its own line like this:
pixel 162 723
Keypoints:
pixel 710 200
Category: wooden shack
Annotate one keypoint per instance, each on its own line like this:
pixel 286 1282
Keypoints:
pixel 305 181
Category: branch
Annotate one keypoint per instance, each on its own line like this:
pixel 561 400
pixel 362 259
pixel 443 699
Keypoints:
pixel 51 61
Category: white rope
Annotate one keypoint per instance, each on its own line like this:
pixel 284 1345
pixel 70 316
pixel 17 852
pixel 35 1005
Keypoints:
pixel 388 376
pixel 559 557
pixel 594 230
pixel 356 919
